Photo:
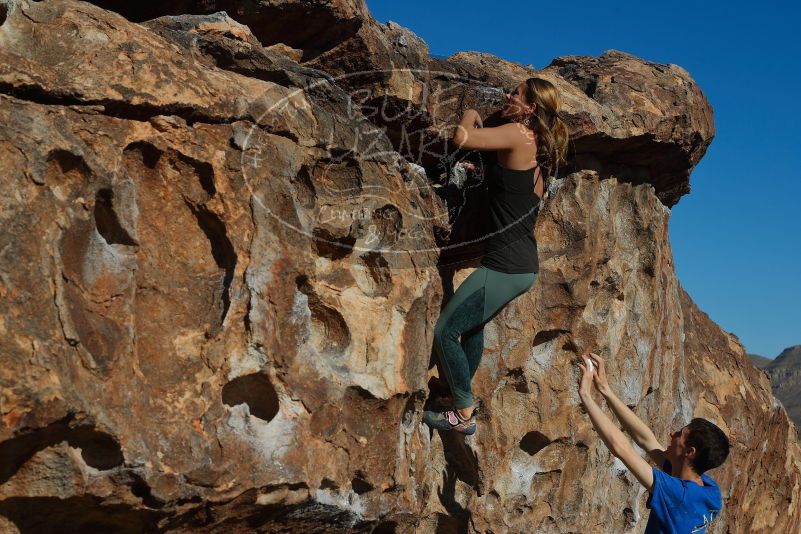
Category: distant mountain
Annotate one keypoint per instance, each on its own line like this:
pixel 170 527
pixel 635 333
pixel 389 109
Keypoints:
pixel 759 361
pixel 785 379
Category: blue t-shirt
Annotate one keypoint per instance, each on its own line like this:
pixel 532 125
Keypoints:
pixel 681 506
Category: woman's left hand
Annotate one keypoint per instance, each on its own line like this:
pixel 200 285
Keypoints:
pixel 466 165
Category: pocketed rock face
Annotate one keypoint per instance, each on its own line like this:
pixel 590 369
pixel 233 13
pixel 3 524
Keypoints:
pixel 219 296
pixel 315 27
pixel 659 131
pixel 641 121
pixel 607 283
pixel 763 475
pixel 164 295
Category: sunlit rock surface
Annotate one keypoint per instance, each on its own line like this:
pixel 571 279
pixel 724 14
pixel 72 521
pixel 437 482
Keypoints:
pixel 220 279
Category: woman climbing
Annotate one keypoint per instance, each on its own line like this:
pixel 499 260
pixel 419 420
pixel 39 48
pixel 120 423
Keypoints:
pixel 535 135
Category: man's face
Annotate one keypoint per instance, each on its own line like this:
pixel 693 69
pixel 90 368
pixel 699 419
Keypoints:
pixel 677 446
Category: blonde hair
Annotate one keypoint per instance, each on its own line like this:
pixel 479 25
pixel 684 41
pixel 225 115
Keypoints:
pixel 552 134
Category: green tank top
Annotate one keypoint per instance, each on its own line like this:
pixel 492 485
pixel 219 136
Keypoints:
pixel 513 207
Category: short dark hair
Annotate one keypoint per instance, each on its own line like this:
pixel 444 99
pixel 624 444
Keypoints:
pixel 710 442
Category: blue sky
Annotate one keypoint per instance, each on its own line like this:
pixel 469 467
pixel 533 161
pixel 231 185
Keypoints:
pixel 737 236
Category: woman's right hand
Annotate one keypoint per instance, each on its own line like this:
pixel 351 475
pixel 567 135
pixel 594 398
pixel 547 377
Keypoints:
pixel 600 376
pixel 476 122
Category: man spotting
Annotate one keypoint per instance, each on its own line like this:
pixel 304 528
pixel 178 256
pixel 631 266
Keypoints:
pixel 682 498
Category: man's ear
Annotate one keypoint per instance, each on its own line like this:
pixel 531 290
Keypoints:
pixel 690 452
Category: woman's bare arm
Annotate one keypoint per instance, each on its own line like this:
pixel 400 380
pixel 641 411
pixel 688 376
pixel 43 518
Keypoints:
pixel 467 136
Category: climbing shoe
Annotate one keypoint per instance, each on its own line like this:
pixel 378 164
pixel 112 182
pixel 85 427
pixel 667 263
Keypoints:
pixel 450 420
pixel 445 401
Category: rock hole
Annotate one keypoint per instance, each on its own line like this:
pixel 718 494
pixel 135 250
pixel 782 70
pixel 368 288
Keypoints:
pixel 204 172
pixel 85 514
pixel 98 449
pixel 108 224
pixel 331 246
pixel 613 282
pixel 337 179
pixel 359 400
pixel 378 282
pixel 221 249
pixel 303 285
pixel 187 500
pixel 328 484
pixel 461 462
pixel 329 331
pixel 385 527
pixel 360 485
pixel 66 161
pixel 3 13
pixel 98 327
pixel 63 164
pixel 141 489
pixel 516 372
pixel 256 391
pixel 628 518
pixel 360 392
pixel 304 188
pixel 148 154
pixel 533 442
pixel 590 88
pixel 456 521
pixel 545 336
pixel 518 379
pixel 569 346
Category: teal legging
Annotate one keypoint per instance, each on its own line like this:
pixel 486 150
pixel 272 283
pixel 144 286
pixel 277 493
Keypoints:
pixel 477 300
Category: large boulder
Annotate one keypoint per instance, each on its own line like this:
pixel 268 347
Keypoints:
pixel 641 121
pixel 220 280
pixel 313 26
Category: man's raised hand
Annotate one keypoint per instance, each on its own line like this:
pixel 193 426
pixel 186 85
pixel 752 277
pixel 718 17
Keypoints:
pixel 600 375
pixel 585 383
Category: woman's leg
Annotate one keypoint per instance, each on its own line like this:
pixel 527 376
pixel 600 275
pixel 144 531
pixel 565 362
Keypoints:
pixel 473 346
pixel 477 300
pixel 463 312
pixel 501 288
